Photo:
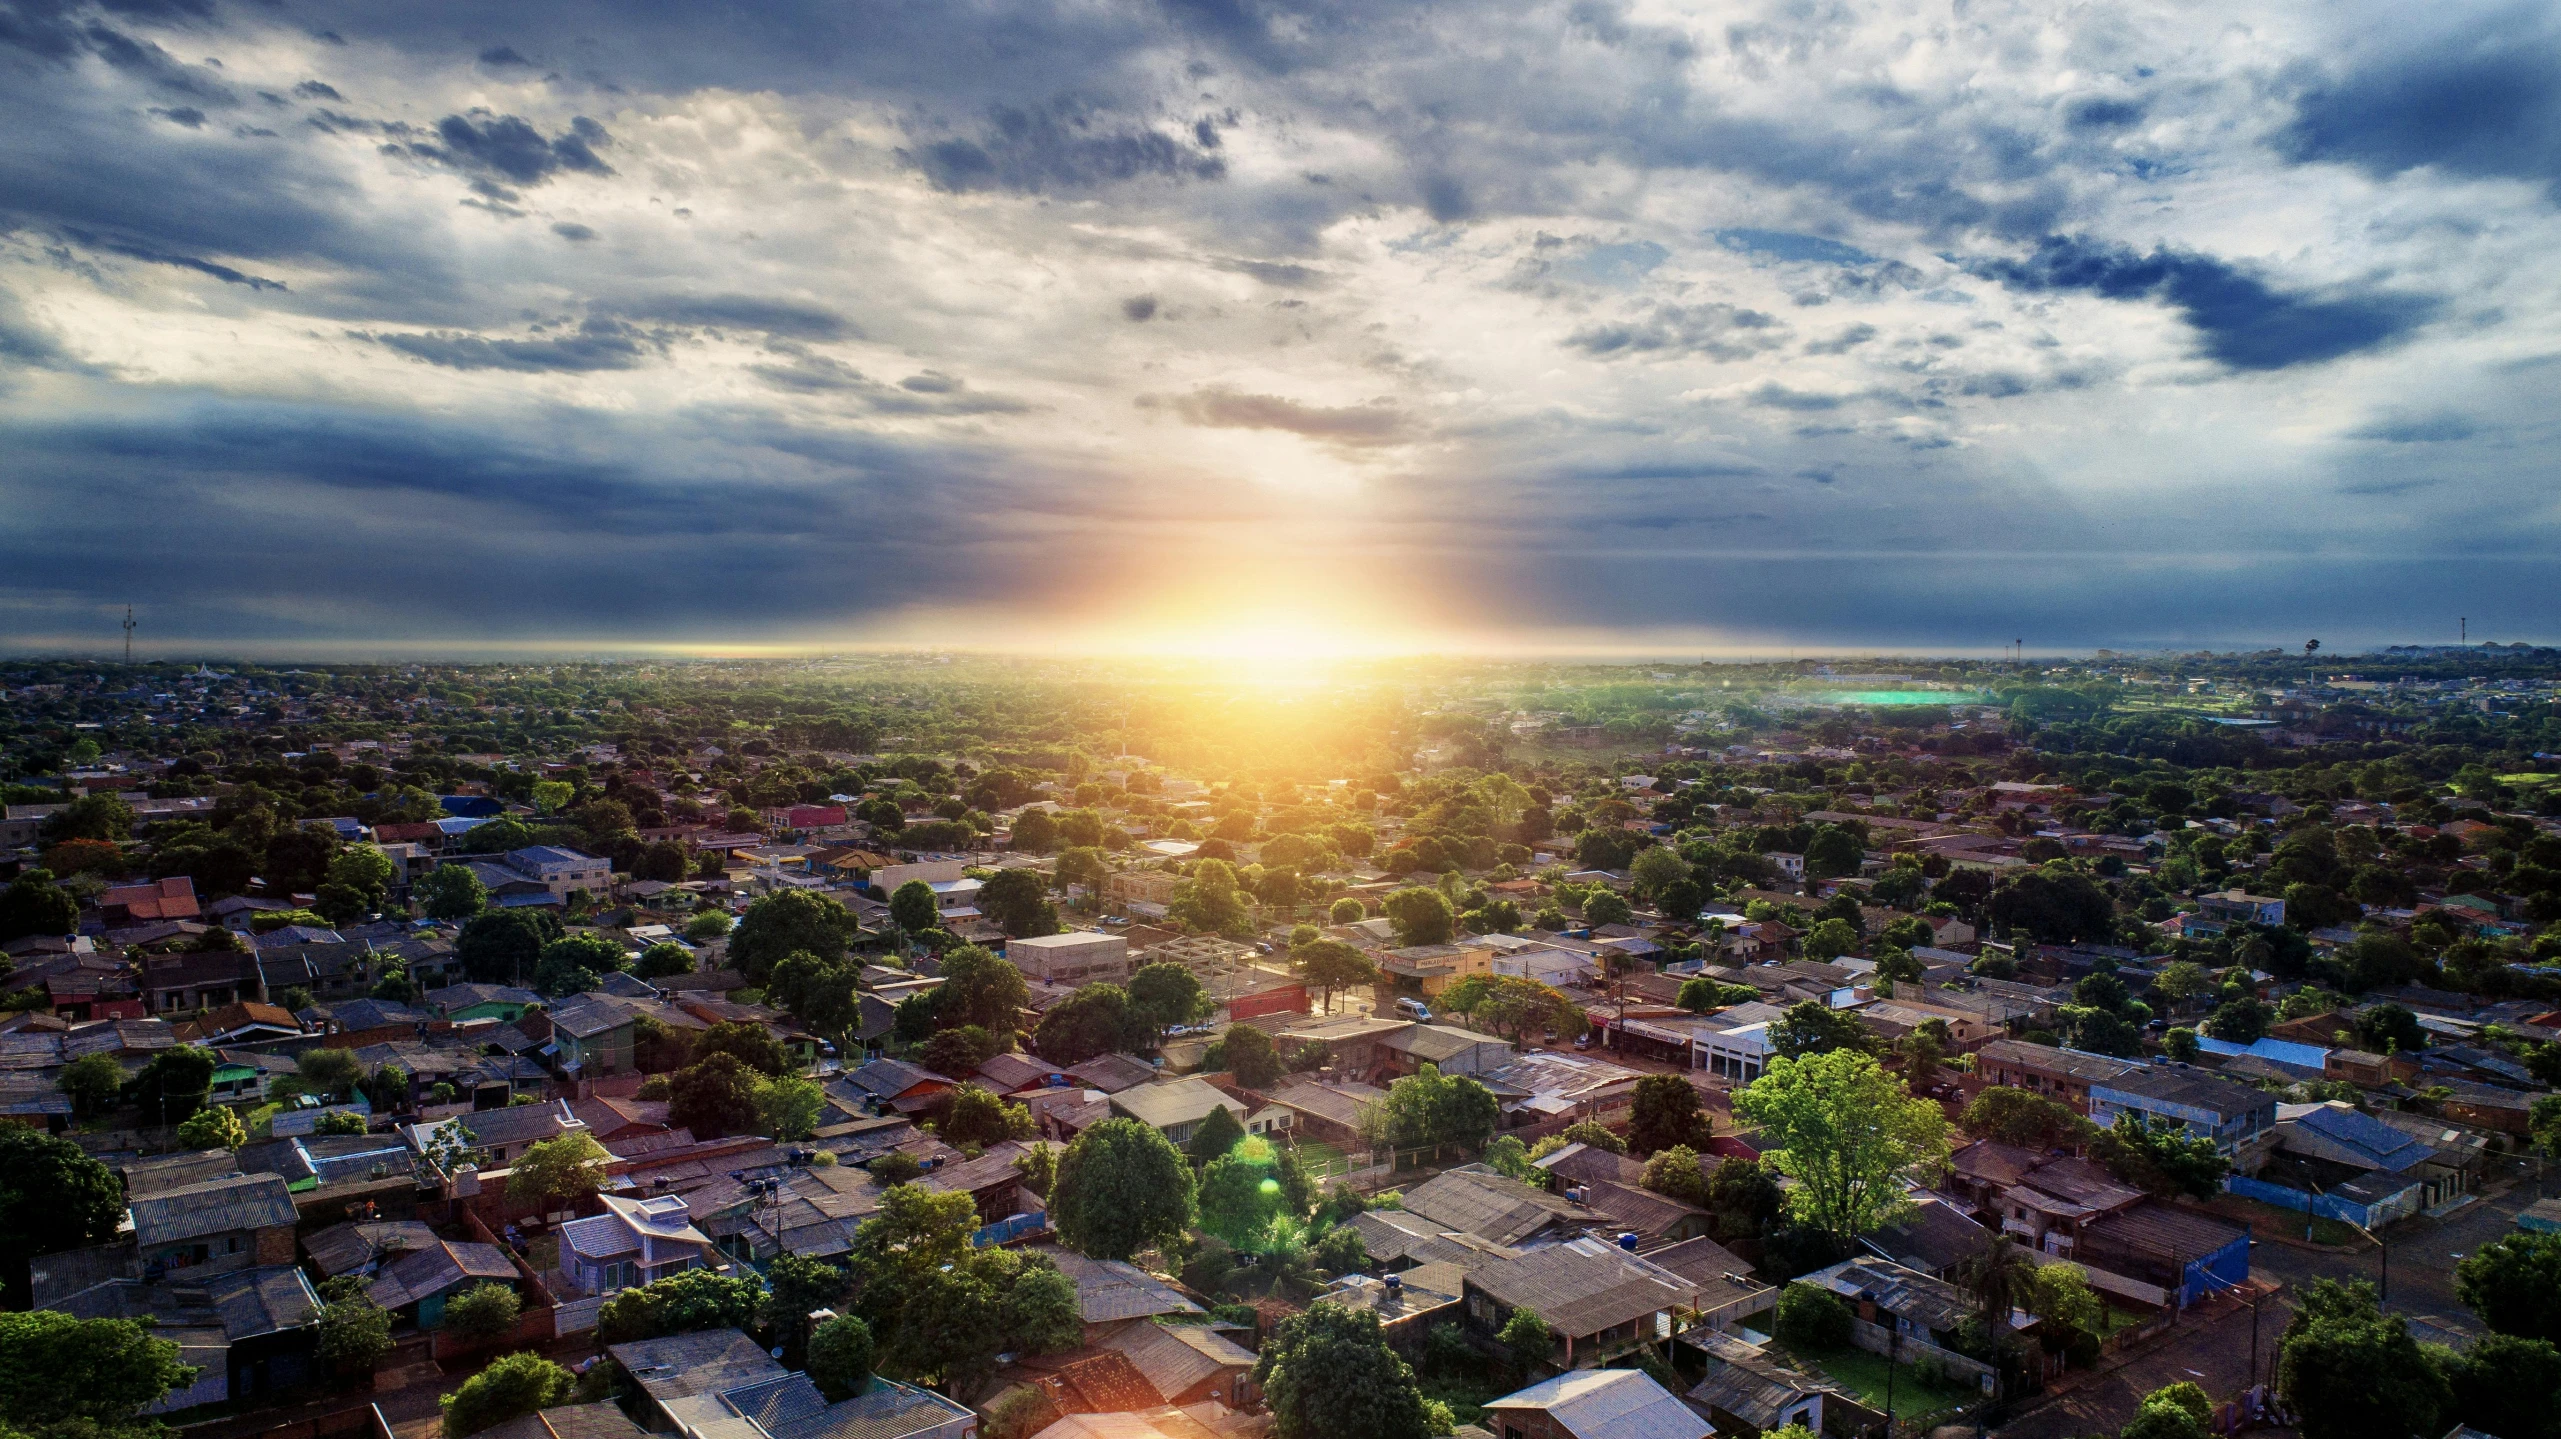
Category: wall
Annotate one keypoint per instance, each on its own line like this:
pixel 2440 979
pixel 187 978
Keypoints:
pixel 1876 1339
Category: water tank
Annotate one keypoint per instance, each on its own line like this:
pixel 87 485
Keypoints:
pixel 1627 1240
pixel 1395 1283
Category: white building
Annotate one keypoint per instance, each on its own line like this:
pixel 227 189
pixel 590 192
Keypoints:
pixel 1076 957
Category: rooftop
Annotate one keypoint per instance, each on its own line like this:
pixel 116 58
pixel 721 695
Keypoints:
pixel 1609 1404
pixel 1584 1286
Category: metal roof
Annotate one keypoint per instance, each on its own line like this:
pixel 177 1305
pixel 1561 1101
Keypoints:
pixel 1174 1101
pixel 1584 1286
pixel 1487 1204
pixel 216 1206
pixel 1609 1404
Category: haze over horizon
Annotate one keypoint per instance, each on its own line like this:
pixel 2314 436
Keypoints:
pixel 1198 328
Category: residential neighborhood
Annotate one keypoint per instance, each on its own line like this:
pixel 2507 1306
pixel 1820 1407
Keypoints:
pixel 1867 1073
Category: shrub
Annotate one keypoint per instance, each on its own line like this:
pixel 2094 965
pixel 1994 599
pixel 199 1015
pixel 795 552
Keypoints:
pixel 516 1384
pixel 1812 1318
pixel 482 1313
pixel 840 1357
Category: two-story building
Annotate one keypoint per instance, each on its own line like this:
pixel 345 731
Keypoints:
pixel 634 1242
pixel 2062 1075
pixel 238 1221
pixel 2241 1120
pixel 1074 958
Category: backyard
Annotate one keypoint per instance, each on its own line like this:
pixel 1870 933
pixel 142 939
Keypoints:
pixel 1863 1374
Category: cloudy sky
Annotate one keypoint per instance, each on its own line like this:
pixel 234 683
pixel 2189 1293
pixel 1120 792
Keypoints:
pixel 1710 327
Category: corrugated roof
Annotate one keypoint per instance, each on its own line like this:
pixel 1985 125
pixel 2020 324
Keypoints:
pixel 1108 1289
pixel 1481 1202
pixel 216 1206
pixel 1609 1404
pixel 1584 1286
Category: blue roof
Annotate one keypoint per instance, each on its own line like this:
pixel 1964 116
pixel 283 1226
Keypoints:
pixel 549 854
pixel 463 824
pixel 2388 1148
pixel 2275 1051
pixel 478 806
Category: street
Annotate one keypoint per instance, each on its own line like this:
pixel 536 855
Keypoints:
pixel 2423 1253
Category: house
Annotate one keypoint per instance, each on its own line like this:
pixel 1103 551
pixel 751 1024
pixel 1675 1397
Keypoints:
pixel 2042 1200
pixel 501 1135
pixel 201 979
pixel 1428 969
pixel 1543 1085
pixel 361 1247
pixel 1112 1292
pixel 1010 1072
pixel 2062 1075
pixel 563 872
pixel 897 1084
pixel 634 1242
pixel 1409 1303
pixel 594 1035
pixel 1728 1294
pixel 718 1384
pixel 250 1332
pixel 2239 1118
pixel 1597 1298
pixel 2163 1254
pixel 1328 1112
pixel 503 1002
pixel 1112 1073
pixel 1476 1200
pixel 238 1221
pixel 1074 958
pixel 1450 1049
pixel 167 899
pixel 1186 1363
pixel 1936 1238
pixel 242 1022
pixel 2234 906
pixel 416 1285
pixel 1176 1107
pixel 242 1076
pixel 1747 1392
pixel 2457 1156
pixel 1925 1312
pixel 1594 1404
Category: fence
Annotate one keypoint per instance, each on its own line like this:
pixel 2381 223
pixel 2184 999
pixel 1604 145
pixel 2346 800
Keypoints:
pixel 1876 1339
pixel 1005 1231
pixel 575 1316
pixel 2327 1206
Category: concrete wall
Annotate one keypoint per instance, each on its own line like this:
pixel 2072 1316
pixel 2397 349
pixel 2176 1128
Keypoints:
pixel 1875 1339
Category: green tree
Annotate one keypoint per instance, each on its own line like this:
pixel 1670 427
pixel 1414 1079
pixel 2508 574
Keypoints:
pixel 788 1109
pixel 1328 1373
pixel 516 1384
pixel 841 1354
pixel 1665 1112
pixel 663 959
pixel 1507 1156
pixel 1330 966
pixel 708 925
pixel 1247 1053
pixel 796 1287
pixel 1217 1134
pixel 502 946
pixel 981 989
pixel 450 892
pixel 575 964
pixel 1812 1317
pixel 355 1332
pixel 483 1313
pixel 1096 1019
pixel 1431 1108
pixel 1121 1188
pixel 34 904
pixel 1347 911
pixel 2177 1411
pixel 2505 1385
pixel 1018 900
pixel 1847 1133
pixel 2353 1372
pixel 1607 907
pixel 2024 1118
pixel 213 1128
pixel 75 1377
pixel 93 1081
pixel 2180 1044
pixel 979 1117
pixel 1833 852
pixel 557 1173
pixel 955 1052
pixel 1420 915
pixel 681 1304
pixel 1830 939
pixel 1212 901
pixel 2514 1284
pixel 1593 1134
pixel 1241 1195
pixel 176 1083
pixel 751 1043
pixel 331 1073
pixel 913 908
pixel 1675 1173
pixel 1746 1198
pixel 714 1097
pixel 2164 1159
pixel 1164 995
pixel 1525 1336
pixel 1813 1027
pixel 786 923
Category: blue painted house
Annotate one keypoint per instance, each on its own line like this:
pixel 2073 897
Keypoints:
pixel 2237 1117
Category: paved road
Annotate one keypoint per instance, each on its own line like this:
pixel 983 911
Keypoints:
pixel 2422 1255
pixel 2209 1348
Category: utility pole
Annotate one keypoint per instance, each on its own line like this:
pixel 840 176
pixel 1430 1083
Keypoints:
pixel 2463 631
pixel 128 634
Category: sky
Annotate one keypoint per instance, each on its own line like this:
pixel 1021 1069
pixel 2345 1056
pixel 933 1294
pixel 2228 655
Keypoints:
pixel 1217 326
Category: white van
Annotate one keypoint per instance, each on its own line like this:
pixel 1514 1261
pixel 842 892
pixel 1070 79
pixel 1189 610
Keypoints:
pixel 1414 1009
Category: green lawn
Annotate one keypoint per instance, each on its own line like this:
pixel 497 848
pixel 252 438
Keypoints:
pixel 1863 1375
pixel 1321 1158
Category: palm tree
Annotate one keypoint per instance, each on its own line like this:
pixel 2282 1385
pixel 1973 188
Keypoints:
pixel 2000 1276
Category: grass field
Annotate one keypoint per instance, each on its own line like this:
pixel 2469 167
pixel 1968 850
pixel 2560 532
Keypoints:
pixel 1863 1374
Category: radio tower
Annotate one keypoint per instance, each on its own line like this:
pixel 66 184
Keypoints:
pixel 128 634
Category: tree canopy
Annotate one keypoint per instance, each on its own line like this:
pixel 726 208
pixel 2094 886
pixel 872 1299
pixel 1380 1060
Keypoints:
pixel 1847 1133
pixel 1121 1188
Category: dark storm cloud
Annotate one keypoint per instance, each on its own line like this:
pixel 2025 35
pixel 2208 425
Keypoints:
pixel 492 148
pixel 1715 331
pixel 146 253
pixel 2241 320
pixel 1359 426
pixel 792 319
pixel 930 393
pixel 2436 429
pixel 2484 100
pixel 597 344
pixel 2101 112
pixel 1062 148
